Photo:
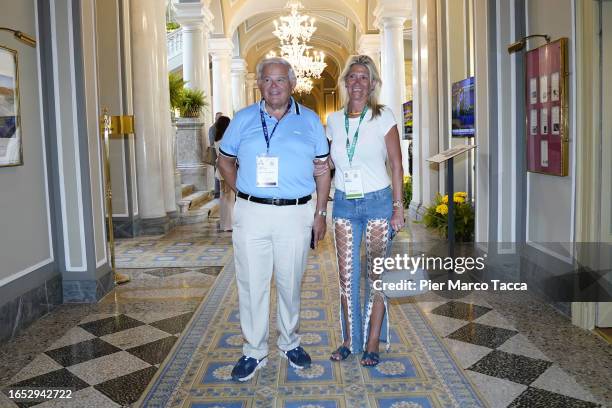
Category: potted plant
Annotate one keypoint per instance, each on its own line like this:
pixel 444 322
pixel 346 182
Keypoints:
pixel 172 25
pixel 176 85
pixel 191 103
pixel 436 217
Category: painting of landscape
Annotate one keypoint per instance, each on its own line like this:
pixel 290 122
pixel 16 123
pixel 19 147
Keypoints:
pixel 10 138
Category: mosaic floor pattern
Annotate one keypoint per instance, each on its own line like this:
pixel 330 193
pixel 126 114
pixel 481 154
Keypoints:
pixel 418 372
pixel 175 250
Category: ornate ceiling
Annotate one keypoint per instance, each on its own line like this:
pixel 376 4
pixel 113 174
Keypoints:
pixel 339 25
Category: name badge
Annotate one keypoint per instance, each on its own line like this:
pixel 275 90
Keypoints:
pixel 353 186
pixel 267 171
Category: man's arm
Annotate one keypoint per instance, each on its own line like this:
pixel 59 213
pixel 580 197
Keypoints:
pixel 227 167
pixel 323 182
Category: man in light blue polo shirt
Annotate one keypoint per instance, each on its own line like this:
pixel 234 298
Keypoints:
pixel 275 142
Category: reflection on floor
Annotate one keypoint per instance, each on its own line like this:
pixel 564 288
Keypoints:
pixel 516 351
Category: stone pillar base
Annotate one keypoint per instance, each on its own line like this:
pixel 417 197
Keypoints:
pixel 88 291
pixel 196 175
pixel 155 226
pixel 126 227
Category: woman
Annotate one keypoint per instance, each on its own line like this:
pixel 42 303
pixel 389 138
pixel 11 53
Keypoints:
pixel 364 137
pixel 227 196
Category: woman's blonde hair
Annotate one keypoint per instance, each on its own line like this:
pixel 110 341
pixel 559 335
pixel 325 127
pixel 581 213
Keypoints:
pixel 367 62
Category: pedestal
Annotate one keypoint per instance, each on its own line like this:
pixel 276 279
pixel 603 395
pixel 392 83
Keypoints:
pixel 189 153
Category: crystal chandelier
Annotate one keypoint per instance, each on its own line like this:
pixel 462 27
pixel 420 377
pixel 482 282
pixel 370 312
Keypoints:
pixel 303 85
pixel 294 32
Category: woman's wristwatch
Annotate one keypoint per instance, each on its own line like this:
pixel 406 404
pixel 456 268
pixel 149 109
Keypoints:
pixel 322 213
pixel 398 204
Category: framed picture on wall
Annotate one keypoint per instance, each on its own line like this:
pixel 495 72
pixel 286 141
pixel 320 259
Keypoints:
pixel 547 109
pixel 10 124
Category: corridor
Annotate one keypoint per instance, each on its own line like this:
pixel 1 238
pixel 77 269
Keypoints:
pixel 171 336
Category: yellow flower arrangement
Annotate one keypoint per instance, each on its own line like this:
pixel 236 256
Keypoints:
pixel 442 209
pixel 436 216
pixel 458 197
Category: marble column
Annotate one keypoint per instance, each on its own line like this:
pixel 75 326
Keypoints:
pixel 393 91
pixel 239 70
pixel 251 83
pixel 369 44
pixel 221 51
pixel 196 21
pixel 145 70
pixel 425 129
pixel 164 120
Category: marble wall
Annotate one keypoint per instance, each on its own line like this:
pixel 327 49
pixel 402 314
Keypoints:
pixel 23 310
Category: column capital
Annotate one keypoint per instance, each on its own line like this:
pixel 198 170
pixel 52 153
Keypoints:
pixel 194 16
pixel 239 65
pixel 368 43
pixel 220 47
pixel 251 76
pixel 392 12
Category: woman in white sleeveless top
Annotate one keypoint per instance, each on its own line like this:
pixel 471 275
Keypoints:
pixel 367 204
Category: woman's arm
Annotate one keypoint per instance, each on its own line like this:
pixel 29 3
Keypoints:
pixel 394 153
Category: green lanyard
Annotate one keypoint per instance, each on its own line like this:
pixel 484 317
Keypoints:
pixel 350 148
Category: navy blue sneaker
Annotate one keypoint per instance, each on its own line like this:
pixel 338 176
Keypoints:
pixel 245 368
pixel 298 358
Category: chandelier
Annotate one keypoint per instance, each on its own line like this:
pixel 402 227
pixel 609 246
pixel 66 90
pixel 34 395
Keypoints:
pixel 294 32
pixel 303 85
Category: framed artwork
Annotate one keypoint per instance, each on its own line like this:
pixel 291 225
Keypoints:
pixel 10 123
pixel 547 110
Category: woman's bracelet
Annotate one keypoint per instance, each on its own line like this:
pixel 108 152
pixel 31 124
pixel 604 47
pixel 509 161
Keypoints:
pixel 398 204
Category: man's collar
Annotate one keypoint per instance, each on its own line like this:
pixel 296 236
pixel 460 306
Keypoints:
pixel 294 107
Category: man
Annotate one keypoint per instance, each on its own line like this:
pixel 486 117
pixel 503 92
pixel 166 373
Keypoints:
pixel 211 142
pixel 276 142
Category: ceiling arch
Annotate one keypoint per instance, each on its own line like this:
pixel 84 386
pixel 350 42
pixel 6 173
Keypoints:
pixel 241 11
pixel 326 31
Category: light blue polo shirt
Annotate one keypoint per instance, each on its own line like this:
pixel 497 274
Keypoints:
pixel 297 141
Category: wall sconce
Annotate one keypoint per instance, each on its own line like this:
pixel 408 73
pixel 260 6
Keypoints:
pixel 519 45
pixel 24 38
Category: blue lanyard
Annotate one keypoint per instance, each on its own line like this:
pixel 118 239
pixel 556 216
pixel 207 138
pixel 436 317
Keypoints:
pixel 264 126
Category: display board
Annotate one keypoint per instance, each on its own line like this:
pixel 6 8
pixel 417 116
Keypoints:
pixel 547 108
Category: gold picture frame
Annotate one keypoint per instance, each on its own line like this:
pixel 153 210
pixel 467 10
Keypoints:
pixel 11 149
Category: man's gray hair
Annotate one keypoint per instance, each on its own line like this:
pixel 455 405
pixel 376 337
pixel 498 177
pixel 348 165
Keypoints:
pixel 276 60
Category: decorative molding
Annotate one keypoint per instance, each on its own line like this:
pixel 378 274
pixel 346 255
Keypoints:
pixel 59 130
pixel 396 10
pixel 220 47
pixel 44 140
pixel 239 65
pixel 194 16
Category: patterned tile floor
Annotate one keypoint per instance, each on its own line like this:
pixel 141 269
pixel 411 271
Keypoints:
pixel 517 352
pixel 417 372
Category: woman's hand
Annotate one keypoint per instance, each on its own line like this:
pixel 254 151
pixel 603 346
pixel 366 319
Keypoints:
pixel 397 219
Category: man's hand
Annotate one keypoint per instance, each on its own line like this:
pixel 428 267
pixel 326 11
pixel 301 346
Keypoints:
pixel 320 166
pixel 318 228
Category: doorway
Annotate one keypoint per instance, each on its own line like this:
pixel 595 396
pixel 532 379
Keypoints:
pixel 604 309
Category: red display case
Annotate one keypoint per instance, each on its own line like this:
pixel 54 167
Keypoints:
pixel 547 108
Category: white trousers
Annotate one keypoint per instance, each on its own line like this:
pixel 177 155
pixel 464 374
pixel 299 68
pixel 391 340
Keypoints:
pixel 270 238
